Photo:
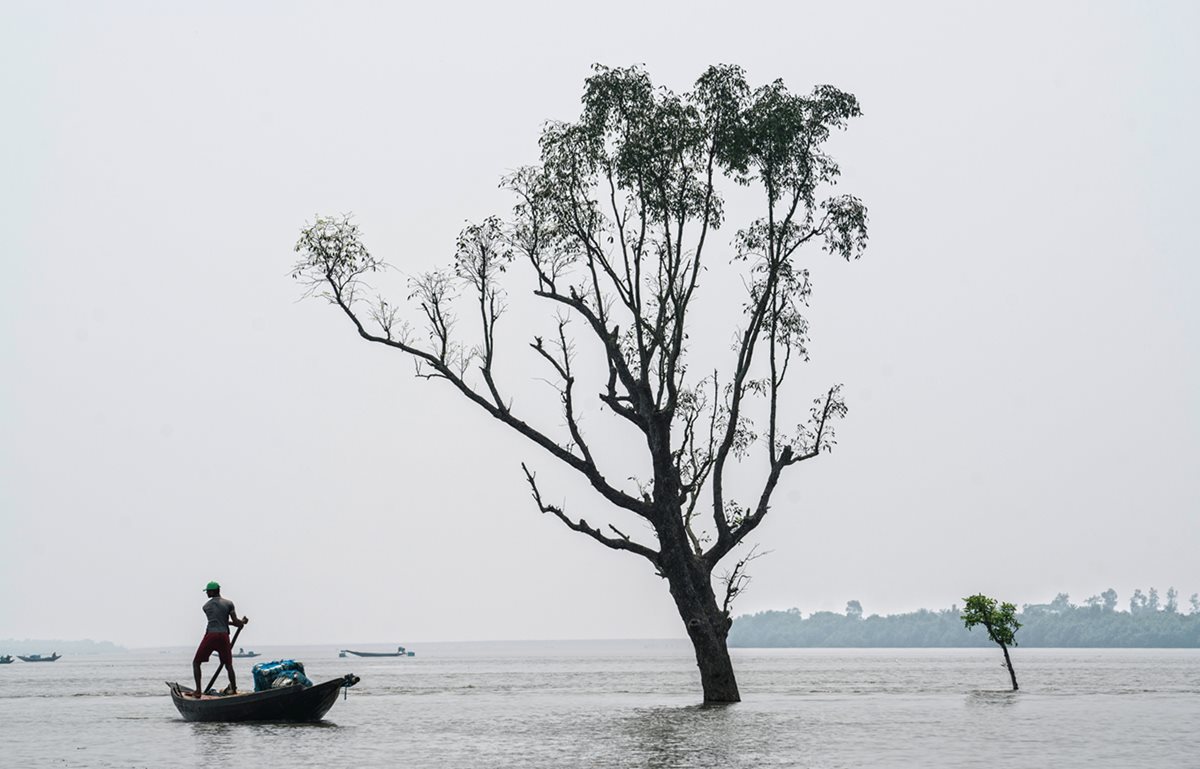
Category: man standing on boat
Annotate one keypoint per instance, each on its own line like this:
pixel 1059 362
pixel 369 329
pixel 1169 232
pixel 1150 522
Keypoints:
pixel 221 615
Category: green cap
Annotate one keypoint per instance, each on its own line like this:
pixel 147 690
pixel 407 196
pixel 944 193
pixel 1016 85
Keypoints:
pixel 212 586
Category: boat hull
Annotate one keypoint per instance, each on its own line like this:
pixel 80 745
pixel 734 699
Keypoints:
pixel 290 703
pixel 35 658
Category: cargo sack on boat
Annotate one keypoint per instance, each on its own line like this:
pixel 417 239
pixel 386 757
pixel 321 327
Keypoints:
pixel 266 674
pixel 290 678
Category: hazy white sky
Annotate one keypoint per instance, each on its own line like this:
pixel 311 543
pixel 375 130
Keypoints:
pixel 1018 347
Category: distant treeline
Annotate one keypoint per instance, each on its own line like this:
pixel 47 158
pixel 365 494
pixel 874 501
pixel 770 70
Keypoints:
pixel 1097 623
pixel 48 645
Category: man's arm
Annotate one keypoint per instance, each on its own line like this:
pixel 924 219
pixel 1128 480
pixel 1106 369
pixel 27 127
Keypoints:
pixel 233 617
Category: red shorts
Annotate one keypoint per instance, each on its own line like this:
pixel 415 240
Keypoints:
pixel 215 642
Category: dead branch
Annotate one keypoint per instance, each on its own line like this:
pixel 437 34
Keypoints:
pixel 737 580
pixel 623 543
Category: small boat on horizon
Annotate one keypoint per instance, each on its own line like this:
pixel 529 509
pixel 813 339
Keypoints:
pixel 400 652
pixel 5 659
pixel 39 658
pixel 242 654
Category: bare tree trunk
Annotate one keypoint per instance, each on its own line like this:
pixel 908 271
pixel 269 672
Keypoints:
pixel 717 679
pixel 1011 673
pixel 707 626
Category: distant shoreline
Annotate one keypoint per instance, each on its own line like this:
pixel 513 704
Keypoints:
pixel 1058 625
pixel 26 646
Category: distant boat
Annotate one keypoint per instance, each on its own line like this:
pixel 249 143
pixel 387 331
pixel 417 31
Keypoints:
pixel 7 658
pixel 290 703
pixel 400 652
pixel 242 654
pixel 40 658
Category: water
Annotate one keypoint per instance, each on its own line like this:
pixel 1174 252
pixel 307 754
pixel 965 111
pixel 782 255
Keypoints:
pixel 631 704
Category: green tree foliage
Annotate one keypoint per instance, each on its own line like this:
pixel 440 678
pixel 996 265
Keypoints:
pixel 1000 620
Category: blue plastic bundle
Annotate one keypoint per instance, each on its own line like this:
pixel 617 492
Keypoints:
pixel 266 674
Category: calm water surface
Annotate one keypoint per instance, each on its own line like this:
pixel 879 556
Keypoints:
pixel 630 704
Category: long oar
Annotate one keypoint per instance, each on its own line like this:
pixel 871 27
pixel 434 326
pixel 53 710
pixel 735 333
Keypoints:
pixel 221 667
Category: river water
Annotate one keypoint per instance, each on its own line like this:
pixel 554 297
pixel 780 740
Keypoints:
pixel 630 704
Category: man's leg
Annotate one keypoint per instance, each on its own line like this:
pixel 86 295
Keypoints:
pixel 225 653
pixel 203 652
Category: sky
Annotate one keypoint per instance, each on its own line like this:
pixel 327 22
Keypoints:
pixel 1018 346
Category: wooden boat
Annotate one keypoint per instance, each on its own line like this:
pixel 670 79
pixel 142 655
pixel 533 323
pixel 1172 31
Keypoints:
pixel 289 703
pixel 400 652
pixel 40 658
pixel 7 658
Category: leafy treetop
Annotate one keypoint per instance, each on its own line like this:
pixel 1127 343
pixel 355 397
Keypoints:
pixel 999 619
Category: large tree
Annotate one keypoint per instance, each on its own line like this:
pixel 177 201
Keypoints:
pixel 612 229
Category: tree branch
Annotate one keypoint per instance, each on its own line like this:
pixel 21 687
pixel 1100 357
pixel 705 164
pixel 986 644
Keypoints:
pixel 623 542
pixel 728 539
pixel 580 464
pixel 737 580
